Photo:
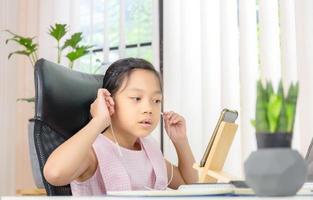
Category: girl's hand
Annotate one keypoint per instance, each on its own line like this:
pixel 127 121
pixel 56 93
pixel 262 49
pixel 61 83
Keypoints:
pixel 175 126
pixel 103 107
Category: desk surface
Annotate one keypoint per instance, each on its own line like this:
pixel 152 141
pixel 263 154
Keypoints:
pixel 171 198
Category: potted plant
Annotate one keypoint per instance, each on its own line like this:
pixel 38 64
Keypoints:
pixel 29 48
pixel 275 169
pixel 275 115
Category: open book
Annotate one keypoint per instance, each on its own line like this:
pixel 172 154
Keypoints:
pixel 218 189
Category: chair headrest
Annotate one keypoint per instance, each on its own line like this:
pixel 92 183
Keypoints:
pixel 63 96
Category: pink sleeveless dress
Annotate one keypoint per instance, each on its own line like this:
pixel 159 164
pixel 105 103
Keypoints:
pixel 134 170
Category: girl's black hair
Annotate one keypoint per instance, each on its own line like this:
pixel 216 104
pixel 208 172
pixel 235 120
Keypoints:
pixel 122 68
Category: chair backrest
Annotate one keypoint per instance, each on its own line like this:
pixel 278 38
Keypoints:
pixel 63 99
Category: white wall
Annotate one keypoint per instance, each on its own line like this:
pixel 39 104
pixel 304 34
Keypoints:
pixel 16 81
pixel 8 93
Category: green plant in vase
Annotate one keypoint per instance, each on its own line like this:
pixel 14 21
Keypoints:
pixel 274 164
pixel 275 114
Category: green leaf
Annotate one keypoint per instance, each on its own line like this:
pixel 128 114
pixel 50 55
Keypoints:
pixel 282 124
pixel 291 103
pixel 13 34
pixel 269 89
pixel 77 53
pixel 261 122
pixel 73 41
pixel 29 100
pixel 253 123
pixel 280 90
pixel 290 115
pixel 18 52
pixel 273 111
pixel 26 42
pixel 58 31
pixel 282 121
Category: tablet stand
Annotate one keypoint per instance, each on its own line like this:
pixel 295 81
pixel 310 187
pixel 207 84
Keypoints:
pixel 212 170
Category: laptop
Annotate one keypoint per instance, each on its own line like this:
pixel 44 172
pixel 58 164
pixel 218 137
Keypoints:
pixel 309 160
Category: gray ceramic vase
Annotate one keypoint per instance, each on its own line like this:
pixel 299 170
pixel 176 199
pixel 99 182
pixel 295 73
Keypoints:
pixel 275 171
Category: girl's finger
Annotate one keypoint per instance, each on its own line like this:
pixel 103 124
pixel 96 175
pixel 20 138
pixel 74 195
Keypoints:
pixel 168 117
pixel 111 100
pixel 166 122
pixel 111 110
pixel 170 114
pixel 167 126
pixel 173 115
pixel 176 118
pixel 100 94
pixel 166 114
pixel 107 101
pixel 104 91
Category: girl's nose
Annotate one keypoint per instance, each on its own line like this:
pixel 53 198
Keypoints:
pixel 147 107
pixel 148 112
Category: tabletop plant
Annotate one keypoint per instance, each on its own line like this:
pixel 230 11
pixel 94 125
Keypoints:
pixel 275 112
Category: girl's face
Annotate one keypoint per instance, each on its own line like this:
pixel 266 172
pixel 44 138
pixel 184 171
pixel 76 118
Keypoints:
pixel 138 104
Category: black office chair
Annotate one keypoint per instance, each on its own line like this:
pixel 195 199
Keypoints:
pixel 63 99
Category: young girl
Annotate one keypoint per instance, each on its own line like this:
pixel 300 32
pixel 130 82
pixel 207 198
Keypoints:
pixel 113 151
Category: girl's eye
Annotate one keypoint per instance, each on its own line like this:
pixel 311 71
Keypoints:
pixel 157 101
pixel 136 98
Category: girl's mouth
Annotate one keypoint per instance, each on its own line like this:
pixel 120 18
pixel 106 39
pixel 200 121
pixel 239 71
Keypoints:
pixel 146 123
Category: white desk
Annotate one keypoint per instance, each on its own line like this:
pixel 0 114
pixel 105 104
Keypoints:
pixel 170 198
